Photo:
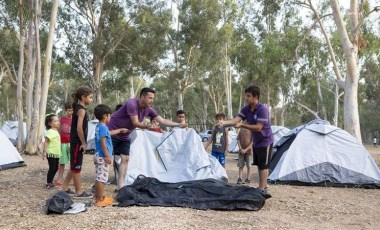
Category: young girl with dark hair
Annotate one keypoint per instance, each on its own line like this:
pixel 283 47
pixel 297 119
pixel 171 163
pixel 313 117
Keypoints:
pixel 52 147
pixel 78 136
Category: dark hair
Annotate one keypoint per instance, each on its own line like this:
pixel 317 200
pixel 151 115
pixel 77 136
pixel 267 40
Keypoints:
pixel 254 90
pixel 145 91
pixel 220 115
pixel 81 91
pixel 180 112
pixel 48 119
pixel 118 107
pixel 101 110
pixel 68 105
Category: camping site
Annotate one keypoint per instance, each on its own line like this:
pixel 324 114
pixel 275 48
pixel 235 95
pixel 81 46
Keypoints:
pixel 23 198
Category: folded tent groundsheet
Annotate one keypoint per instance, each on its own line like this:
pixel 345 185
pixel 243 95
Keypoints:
pixel 199 194
pixel 173 156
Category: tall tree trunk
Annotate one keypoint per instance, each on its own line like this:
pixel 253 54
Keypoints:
pixel 20 71
pixel 35 137
pixel 47 65
pixel 30 74
pixel 336 104
pixel 180 96
pixel 350 49
pixel 98 72
pixel 320 97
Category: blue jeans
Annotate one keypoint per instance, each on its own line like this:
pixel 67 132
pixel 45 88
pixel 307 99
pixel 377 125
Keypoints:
pixel 220 156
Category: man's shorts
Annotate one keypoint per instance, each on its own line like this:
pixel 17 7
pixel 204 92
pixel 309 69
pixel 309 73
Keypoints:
pixel 76 157
pixel 244 159
pixel 262 156
pixel 220 156
pixel 65 157
pixel 101 168
pixel 120 147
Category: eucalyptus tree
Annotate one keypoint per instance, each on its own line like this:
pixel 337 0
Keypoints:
pixel 349 30
pixel 94 29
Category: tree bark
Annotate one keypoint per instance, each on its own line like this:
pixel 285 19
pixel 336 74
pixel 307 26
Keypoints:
pixel 20 72
pixel 350 49
pixel 47 68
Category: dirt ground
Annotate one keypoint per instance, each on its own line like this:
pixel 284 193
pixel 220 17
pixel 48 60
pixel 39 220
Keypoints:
pixel 23 196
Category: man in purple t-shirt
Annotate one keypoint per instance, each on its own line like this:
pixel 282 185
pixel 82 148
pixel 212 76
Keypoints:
pixel 130 116
pixel 257 120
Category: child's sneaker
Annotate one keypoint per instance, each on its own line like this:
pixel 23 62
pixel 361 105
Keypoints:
pixel 84 195
pixel 247 181
pixel 49 186
pixel 70 192
pixel 105 202
pixel 239 181
pixel 57 183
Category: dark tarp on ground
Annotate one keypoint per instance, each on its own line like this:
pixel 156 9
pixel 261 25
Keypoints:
pixel 198 194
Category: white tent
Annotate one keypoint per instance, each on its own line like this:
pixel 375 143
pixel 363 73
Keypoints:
pixel 91 134
pixel 278 132
pixel 10 129
pixel 232 139
pixel 171 157
pixel 9 156
pixel 319 153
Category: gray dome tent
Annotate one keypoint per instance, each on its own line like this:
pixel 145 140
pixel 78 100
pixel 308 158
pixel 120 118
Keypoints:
pixel 321 154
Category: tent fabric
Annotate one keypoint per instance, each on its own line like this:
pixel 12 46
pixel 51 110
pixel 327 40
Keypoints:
pixel 233 146
pixel 318 153
pixel 278 132
pixel 199 194
pixel 9 156
pixel 173 156
pixel 91 134
pixel 10 129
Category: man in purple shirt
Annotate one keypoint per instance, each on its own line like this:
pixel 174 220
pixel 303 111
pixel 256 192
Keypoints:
pixel 130 116
pixel 257 120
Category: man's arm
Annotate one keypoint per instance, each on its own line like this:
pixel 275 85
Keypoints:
pixel 137 124
pixel 170 123
pixel 254 128
pixel 232 121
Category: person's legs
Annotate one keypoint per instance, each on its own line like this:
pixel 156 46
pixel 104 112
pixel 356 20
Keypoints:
pixel 264 156
pixel 69 177
pixel 240 164
pixel 122 170
pixel 53 167
pixel 65 150
pixel 102 172
pixel 61 170
pixel 121 147
pixel 77 183
pixel 263 177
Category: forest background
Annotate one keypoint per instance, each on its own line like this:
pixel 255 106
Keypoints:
pixel 310 58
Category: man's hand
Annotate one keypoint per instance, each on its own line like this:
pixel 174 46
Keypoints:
pixel 183 125
pixel 226 153
pixel 238 125
pixel 43 155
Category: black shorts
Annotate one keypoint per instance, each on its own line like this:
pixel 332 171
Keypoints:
pixel 120 147
pixel 262 156
pixel 76 158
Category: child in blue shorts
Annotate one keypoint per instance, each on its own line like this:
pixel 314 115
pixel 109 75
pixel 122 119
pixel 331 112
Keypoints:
pixel 219 140
pixel 103 152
